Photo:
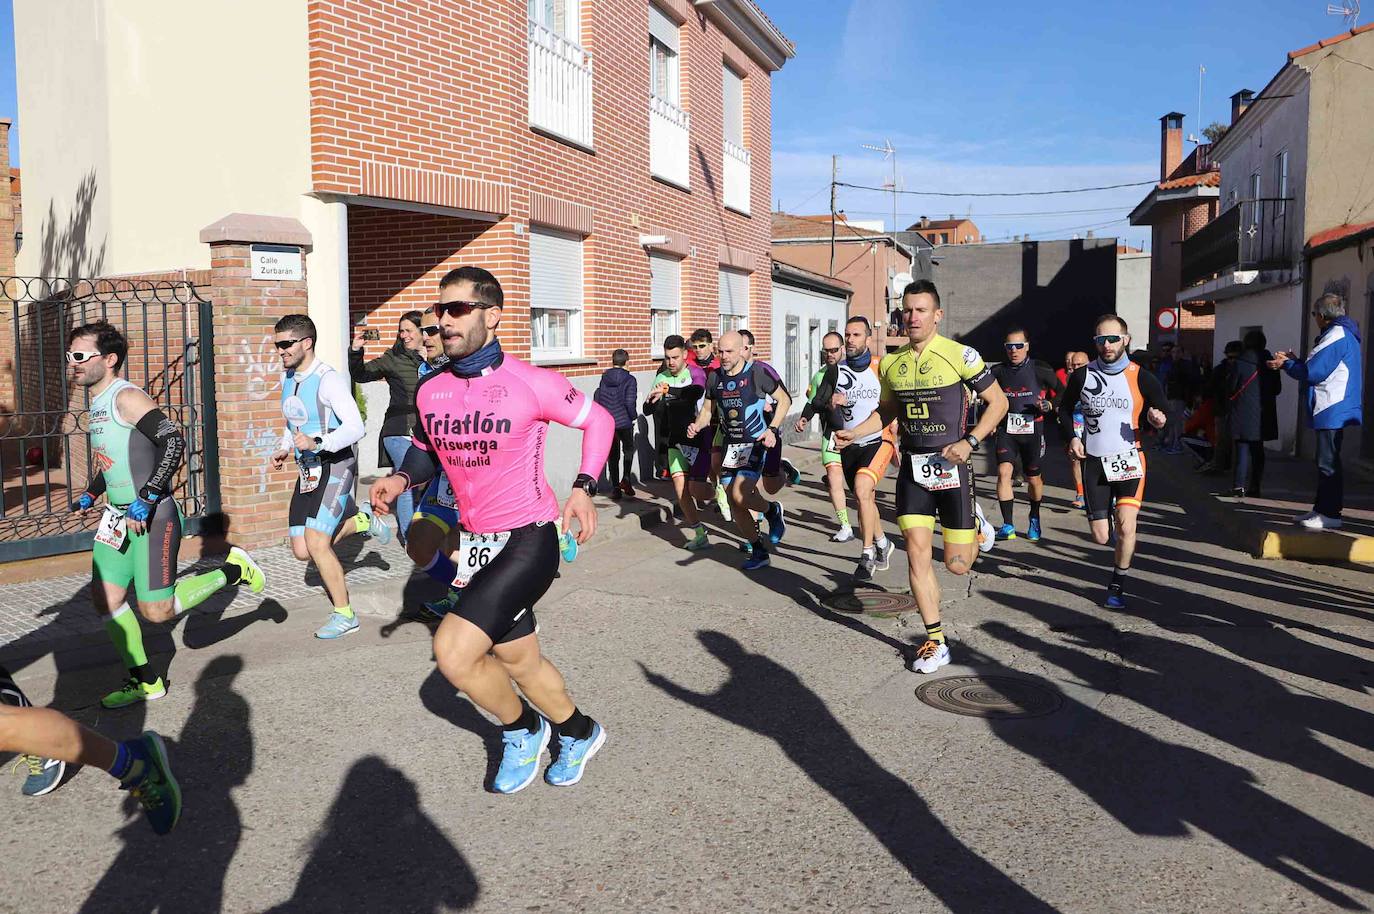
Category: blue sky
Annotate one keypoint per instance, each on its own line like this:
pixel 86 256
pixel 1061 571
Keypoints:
pixel 991 96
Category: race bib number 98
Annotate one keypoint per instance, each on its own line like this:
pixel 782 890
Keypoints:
pixel 1123 467
pixel 933 472
pixel 475 552
pixel 1020 424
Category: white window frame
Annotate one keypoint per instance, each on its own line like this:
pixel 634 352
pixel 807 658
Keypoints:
pixel 733 315
pixel 792 369
pixel 545 12
pixel 1281 181
pixel 659 306
pixel 664 51
pixel 540 306
pixel 726 121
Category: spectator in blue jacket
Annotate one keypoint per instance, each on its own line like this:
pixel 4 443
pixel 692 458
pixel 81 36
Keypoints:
pixel 618 392
pixel 1331 374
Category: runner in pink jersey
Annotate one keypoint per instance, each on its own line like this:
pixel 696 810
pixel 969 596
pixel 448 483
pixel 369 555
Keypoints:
pixel 483 422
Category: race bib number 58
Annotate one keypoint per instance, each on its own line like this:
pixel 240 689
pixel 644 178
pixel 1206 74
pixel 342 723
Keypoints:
pixel 933 472
pixel 1123 467
pixel 475 552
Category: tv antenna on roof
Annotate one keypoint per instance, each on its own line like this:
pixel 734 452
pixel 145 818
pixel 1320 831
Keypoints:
pixel 1201 71
pixel 1350 10
pixel 888 153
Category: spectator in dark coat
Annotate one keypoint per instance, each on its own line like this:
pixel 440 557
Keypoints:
pixel 1216 387
pixel 1252 389
pixel 618 392
pixel 399 367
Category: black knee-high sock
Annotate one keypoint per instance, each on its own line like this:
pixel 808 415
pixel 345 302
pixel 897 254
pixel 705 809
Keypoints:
pixel 1035 509
pixel 1118 583
pixel 1008 510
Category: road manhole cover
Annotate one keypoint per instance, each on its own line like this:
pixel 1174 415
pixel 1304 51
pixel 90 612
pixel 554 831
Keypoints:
pixel 999 697
pixel 873 603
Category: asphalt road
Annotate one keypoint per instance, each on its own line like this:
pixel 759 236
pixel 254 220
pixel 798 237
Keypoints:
pixel 1212 748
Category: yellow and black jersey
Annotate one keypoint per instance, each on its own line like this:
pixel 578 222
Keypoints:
pixel 931 391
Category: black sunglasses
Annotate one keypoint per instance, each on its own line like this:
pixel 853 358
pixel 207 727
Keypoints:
pixel 830 351
pixel 429 331
pixel 1106 338
pixel 1013 345
pixel 284 345
pixel 458 308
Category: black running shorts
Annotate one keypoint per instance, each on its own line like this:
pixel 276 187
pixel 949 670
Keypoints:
pixel 1024 449
pixel 918 506
pixel 500 598
pixel 1100 495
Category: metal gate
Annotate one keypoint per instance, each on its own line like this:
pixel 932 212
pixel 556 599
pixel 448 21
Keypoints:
pixel 45 458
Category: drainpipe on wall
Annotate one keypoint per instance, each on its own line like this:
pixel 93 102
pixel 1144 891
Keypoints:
pixel 1306 347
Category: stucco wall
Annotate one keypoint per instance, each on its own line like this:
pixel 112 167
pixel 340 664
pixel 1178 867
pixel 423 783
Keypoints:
pixel 1133 292
pixel 1342 134
pixel 1276 312
pixel 114 129
pixel 1277 125
pixel 806 306
pixel 1351 272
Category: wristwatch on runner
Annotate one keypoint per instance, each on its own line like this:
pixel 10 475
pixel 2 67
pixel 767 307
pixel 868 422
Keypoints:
pixel 585 483
pixel 971 441
pixel 319 442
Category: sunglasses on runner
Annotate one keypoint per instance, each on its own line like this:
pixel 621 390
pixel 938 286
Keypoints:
pixel 458 308
pixel 828 351
pixel 701 345
pixel 77 356
pixel 1013 346
pixel 284 345
pixel 429 331
pixel 1106 338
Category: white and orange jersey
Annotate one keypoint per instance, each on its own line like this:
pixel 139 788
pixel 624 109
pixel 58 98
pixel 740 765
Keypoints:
pixel 1112 400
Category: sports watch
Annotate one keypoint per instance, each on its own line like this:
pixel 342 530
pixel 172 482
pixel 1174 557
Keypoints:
pixel 585 483
pixel 971 441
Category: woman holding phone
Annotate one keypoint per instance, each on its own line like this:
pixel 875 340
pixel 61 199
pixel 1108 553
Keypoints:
pixel 399 367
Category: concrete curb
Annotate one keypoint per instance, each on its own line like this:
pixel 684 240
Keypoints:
pixel 1316 546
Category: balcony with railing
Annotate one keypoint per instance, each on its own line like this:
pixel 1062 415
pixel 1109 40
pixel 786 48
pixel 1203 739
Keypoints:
pixel 560 86
pixel 669 128
pixel 737 171
pixel 1250 238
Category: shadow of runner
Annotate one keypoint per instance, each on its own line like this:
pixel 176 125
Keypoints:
pixel 1157 788
pixel 769 699
pixel 213 756
pixel 442 699
pixel 416 870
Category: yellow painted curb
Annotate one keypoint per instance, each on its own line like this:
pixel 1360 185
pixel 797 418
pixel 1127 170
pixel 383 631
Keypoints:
pixel 1316 546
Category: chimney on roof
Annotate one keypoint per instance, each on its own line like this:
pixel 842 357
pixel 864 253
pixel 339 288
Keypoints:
pixel 1170 144
pixel 925 222
pixel 1090 233
pixel 1239 102
pixel 951 217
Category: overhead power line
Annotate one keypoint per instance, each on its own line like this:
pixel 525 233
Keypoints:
pixel 1021 193
pixel 977 215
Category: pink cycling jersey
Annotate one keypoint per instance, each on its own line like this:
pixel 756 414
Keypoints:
pixel 488 434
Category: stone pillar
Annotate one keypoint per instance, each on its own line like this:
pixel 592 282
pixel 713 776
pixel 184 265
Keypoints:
pixel 326 218
pixel 253 498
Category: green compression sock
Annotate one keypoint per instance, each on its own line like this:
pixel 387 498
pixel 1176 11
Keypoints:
pixel 195 590
pixel 842 515
pixel 122 624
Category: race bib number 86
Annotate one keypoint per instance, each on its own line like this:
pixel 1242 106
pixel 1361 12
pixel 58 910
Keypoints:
pixel 475 552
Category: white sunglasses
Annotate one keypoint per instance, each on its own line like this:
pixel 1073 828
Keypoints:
pixel 77 356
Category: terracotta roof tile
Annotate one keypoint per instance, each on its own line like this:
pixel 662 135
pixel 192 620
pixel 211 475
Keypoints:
pixel 1328 42
pixel 1206 179
pixel 786 225
pixel 1337 233
pixel 834 281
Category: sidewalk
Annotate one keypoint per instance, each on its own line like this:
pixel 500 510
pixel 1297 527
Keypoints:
pixel 1264 526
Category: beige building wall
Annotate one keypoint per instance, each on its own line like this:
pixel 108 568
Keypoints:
pixel 1340 135
pixel 1349 271
pixel 178 114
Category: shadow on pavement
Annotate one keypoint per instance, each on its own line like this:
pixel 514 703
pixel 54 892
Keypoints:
pixel 185 871
pixel 1161 789
pixel 442 700
pixel 378 851
pixel 767 698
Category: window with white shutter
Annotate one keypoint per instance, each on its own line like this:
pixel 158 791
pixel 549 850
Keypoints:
pixel 734 300
pixel 732 85
pixel 665 300
pixel 555 294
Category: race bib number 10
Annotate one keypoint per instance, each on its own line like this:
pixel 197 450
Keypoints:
pixel 1020 424
pixel 475 552
pixel 933 472
pixel 1123 467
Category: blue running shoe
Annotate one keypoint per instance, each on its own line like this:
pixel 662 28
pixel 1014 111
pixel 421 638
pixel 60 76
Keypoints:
pixel 1115 600
pixel 777 527
pixel 1033 530
pixel 435 610
pixel 791 472
pixel 1006 532
pixel 567 547
pixel 151 782
pixel 520 759
pixel 336 626
pixel 374 527
pixel 758 558
pixel 44 774
pixel 573 755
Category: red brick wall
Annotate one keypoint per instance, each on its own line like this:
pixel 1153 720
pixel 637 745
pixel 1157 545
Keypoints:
pixel 444 89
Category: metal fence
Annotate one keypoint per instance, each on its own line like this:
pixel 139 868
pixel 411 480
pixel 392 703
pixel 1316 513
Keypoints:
pixel 45 458
pixel 1251 235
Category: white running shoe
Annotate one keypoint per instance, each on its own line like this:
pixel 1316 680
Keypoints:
pixel 987 536
pixel 1320 522
pixel 1298 521
pixel 929 657
pixel 842 535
